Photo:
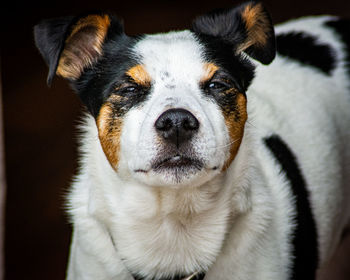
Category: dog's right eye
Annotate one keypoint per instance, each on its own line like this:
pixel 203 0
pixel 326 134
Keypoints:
pixel 215 85
pixel 127 89
pixel 130 89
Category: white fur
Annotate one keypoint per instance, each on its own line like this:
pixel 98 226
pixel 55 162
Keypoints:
pixel 175 64
pixel 237 223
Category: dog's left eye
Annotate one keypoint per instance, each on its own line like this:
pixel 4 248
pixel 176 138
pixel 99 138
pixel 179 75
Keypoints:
pixel 129 89
pixel 213 85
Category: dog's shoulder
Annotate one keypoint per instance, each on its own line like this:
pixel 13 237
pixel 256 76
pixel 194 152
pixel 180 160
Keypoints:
pixel 299 106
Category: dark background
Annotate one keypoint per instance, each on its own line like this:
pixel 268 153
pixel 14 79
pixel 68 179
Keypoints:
pixel 40 122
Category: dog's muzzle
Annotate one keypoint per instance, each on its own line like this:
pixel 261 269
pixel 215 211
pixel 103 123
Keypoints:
pixel 176 126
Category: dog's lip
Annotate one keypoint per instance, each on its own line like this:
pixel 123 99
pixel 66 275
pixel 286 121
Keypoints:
pixel 176 161
pixel 173 162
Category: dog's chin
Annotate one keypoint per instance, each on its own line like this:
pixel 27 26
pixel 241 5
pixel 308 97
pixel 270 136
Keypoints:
pixel 177 170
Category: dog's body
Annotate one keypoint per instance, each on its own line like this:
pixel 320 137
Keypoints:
pixel 266 198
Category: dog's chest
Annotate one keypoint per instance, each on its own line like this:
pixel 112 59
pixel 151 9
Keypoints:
pixel 159 234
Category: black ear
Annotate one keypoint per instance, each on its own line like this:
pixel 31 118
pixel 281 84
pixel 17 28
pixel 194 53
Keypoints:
pixel 70 44
pixel 247 27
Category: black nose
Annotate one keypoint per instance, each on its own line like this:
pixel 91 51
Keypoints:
pixel 176 126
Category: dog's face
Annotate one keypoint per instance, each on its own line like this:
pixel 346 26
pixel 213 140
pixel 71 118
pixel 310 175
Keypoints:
pixel 180 131
pixel 170 109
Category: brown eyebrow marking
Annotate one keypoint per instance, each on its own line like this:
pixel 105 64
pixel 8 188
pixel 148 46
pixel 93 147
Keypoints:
pixel 139 75
pixel 209 71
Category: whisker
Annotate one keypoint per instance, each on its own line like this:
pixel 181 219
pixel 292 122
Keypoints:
pixel 224 146
pixel 248 122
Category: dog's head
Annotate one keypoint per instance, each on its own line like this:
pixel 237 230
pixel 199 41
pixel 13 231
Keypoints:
pixel 170 109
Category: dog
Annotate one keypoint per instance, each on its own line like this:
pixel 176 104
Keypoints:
pixel 205 155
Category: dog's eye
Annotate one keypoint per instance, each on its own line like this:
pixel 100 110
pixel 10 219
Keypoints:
pixel 130 89
pixel 216 86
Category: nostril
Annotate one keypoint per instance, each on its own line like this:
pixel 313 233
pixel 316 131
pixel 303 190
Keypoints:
pixel 164 124
pixel 190 123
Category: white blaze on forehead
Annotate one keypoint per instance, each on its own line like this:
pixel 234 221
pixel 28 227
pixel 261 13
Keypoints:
pixel 171 56
pixel 176 66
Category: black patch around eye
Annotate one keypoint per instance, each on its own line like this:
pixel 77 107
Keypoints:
pixel 216 86
pixel 128 90
pixel 220 83
pixel 97 83
pixel 222 54
pixel 127 97
pixel 227 101
pixel 223 94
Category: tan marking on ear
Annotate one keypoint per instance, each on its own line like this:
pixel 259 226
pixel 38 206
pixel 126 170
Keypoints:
pixel 209 71
pixel 257 25
pixel 83 46
pixel 109 132
pixel 140 76
pixel 236 127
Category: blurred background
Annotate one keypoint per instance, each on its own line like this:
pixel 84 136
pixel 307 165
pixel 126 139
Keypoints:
pixel 40 122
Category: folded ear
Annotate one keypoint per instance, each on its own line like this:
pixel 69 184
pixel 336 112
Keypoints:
pixel 70 44
pixel 247 27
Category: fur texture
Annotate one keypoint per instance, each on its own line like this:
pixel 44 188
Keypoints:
pixel 222 194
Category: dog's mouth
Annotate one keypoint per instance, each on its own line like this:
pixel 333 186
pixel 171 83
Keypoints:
pixel 177 162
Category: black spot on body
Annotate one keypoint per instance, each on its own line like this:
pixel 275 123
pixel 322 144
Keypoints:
pixel 305 49
pixel 342 27
pixel 304 239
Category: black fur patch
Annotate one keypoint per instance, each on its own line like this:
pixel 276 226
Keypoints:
pixel 305 49
pixel 50 35
pixel 240 69
pixel 229 26
pixel 342 27
pixel 305 236
pixel 97 83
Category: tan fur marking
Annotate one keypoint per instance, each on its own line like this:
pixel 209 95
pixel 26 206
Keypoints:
pixel 209 71
pixel 139 74
pixel 81 51
pixel 109 132
pixel 236 127
pixel 257 25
